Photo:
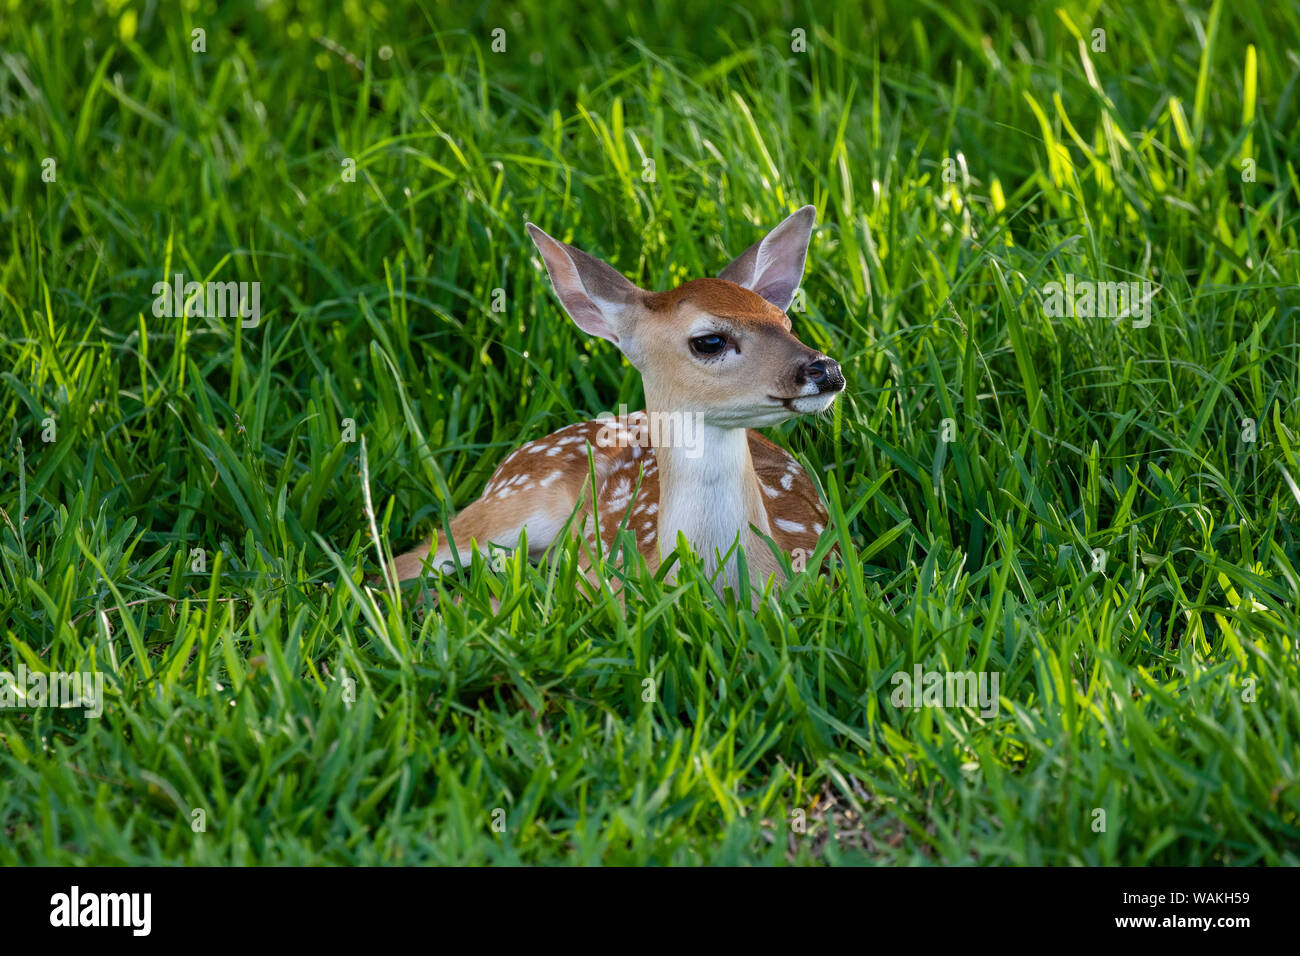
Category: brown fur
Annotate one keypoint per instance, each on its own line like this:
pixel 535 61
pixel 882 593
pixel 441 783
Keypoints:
pixel 721 298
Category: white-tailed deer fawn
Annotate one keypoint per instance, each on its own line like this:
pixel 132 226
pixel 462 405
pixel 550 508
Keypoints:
pixel 717 360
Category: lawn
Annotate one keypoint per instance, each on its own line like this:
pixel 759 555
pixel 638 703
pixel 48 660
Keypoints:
pixel 1099 510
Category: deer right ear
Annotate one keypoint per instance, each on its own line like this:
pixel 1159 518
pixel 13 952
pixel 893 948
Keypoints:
pixel 773 266
pixel 596 296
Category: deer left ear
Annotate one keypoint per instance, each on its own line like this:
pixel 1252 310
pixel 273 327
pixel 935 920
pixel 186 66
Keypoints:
pixel 773 266
pixel 593 292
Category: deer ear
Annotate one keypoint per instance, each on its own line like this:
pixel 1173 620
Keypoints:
pixel 773 266
pixel 593 292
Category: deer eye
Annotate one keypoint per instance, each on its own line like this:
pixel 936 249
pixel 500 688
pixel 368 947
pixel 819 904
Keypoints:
pixel 708 344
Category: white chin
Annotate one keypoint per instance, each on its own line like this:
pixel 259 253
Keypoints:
pixel 773 414
pixel 753 418
pixel 811 404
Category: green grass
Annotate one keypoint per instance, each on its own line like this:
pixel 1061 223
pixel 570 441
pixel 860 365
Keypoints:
pixel 1164 689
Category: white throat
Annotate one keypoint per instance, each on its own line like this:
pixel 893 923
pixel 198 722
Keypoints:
pixel 710 494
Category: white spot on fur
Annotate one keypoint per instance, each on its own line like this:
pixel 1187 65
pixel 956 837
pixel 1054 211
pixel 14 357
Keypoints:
pixel 787 480
pixel 543 526
pixel 621 495
pixel 791 526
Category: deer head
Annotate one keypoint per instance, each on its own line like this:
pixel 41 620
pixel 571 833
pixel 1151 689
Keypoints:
pixel 718 348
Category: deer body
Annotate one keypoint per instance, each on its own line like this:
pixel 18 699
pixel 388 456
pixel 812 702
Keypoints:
pixel 718 360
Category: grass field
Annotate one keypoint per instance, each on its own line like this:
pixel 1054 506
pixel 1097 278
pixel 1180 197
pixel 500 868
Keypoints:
pixel 1103 512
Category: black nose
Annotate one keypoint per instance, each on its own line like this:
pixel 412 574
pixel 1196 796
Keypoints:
pixel 825 374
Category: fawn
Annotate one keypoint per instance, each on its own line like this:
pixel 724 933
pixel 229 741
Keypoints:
pixel 717 360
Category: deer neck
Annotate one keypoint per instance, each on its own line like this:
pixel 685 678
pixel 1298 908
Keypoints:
pixel 708 491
